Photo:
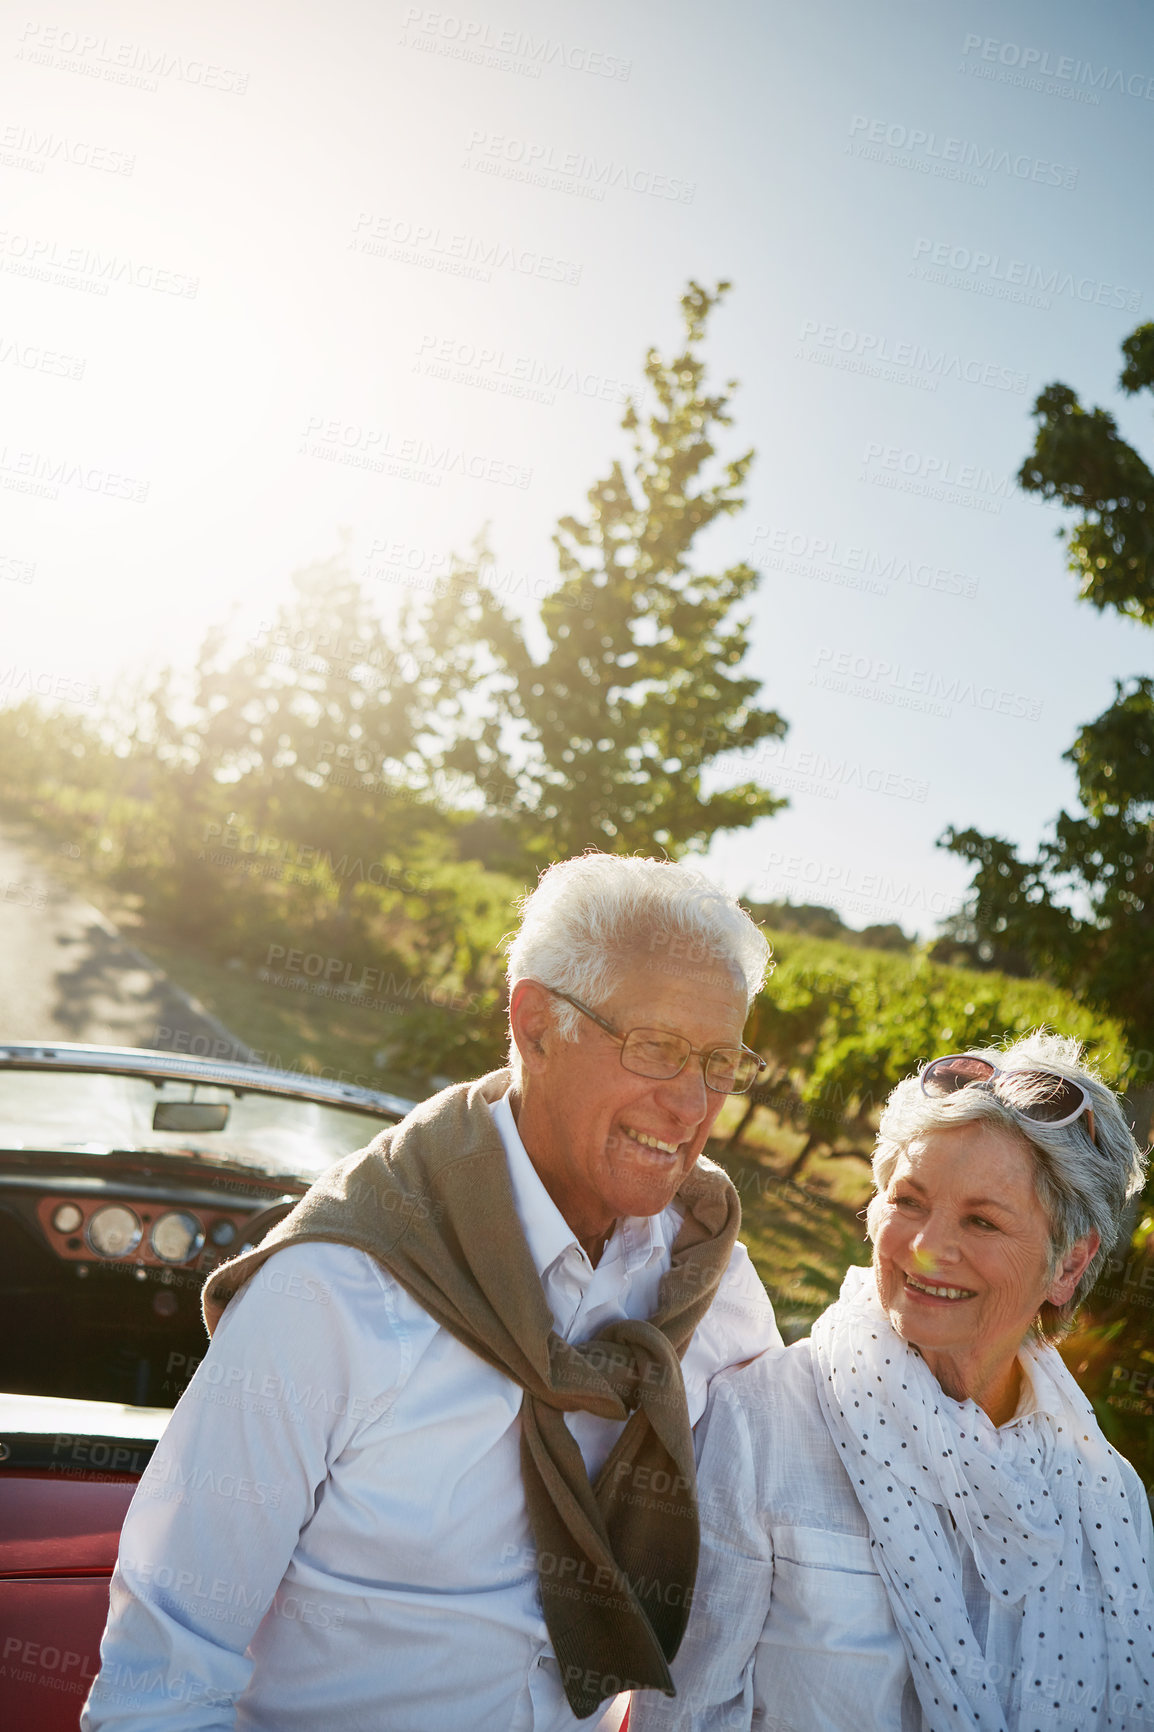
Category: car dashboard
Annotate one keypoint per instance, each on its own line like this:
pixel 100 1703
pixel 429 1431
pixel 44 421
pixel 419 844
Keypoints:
pixel 103 1270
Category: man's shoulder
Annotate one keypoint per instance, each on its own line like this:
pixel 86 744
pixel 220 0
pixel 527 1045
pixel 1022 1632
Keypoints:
pixel 342 1279
pixel 741 1292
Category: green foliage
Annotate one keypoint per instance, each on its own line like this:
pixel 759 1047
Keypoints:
pixel 1081 460
pixel 845 1024
pixel 1082 911
pixel 1111 1352
pixel 1104 855
pixel 602 742
pixel 321 693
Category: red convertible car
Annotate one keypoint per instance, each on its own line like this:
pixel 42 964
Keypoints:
pixel 125 1176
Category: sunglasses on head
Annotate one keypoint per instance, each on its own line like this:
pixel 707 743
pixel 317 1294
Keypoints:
pixel 1040 1095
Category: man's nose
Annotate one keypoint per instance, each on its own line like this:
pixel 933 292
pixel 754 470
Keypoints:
pixel 685 1094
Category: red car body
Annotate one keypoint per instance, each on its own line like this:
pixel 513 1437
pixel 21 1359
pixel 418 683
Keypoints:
pixel 125 1176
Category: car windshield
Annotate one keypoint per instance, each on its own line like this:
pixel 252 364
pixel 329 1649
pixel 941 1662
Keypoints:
pixel 98 1113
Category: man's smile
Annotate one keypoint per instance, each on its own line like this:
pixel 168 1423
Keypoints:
pixel 649 1141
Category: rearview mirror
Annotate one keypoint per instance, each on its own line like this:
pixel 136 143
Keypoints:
pixel 190 1116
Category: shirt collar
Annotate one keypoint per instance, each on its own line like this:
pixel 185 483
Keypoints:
pixel 547 1232
pixel 1027 1393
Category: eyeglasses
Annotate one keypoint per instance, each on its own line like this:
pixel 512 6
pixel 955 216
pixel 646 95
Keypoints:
pixel 1041 1095
pixel 651 1052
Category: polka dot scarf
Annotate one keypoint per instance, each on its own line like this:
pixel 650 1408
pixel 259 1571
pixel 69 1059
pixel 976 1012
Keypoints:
pixel 1040 1506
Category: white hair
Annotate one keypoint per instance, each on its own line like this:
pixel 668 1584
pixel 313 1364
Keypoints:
pixel 1083 1185
pixel 593 918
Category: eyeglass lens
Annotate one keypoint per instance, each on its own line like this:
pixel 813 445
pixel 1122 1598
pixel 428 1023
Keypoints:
pixel 947 1074
pixel 652 1053
pixel 1041 1095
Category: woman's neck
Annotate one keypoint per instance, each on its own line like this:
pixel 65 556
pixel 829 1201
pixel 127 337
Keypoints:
pixel 997 1388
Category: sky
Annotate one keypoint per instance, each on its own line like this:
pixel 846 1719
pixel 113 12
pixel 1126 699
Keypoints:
pixel 274 276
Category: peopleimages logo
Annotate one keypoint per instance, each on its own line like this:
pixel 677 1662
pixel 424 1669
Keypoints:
pixel 459 254
pixel 851 564
pixel 43 475
pixel 491 368
pixel 986 273
pixel 858 893
pixel 545 164
pixel 968 485
pixel 508 50
pixel 35 359
pixel 50 260
pixel 955 158
pixel 118 62
pixel 876 354
pixel 1037 61
pixel 928 690
pixel 25 147
pixel 383 451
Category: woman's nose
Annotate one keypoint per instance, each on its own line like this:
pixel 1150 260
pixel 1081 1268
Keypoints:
pixel 935 1242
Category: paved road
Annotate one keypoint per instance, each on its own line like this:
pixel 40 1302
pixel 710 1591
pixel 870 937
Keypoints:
pixel 67 974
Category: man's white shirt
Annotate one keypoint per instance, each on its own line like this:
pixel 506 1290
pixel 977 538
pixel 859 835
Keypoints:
pixel 336 1511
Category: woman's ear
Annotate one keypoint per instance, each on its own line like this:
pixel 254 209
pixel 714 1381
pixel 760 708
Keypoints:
pixel 1072 1268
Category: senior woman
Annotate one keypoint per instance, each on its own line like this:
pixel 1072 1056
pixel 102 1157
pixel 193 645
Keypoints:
pixel 911 1521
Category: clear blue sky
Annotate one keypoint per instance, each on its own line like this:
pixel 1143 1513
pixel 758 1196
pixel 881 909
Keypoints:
pixel 368 229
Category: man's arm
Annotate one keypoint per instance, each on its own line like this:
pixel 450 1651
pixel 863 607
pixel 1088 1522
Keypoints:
pixel 235 1478
pixel 738 1326
pixel 713 1670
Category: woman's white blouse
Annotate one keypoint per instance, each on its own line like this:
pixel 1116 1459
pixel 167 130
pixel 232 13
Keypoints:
pixel 791 1628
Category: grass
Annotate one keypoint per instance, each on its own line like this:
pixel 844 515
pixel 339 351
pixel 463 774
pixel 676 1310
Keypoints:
pixel 803 1233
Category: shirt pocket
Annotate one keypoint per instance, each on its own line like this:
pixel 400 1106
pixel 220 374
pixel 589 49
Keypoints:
pixel 828 1594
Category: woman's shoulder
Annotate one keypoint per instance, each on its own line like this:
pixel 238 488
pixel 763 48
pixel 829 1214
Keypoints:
pixel 1138 1499
pixel 780 1374
pixel 765 1425
pixel 776 1395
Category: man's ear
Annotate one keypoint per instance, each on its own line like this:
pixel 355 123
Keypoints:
pixel 1072 1268
pixel 531 1022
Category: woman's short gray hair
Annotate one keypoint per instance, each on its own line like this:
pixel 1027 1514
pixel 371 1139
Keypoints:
pixel 593 918
pixel 1083 1186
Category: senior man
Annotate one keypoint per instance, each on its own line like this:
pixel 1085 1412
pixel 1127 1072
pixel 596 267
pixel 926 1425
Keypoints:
pixel 513 1302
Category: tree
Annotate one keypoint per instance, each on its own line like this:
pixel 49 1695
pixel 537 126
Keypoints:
pixel 604 739
pixel 1100 860
pixel 321 696
pixel 1080 460
pixel 1082 911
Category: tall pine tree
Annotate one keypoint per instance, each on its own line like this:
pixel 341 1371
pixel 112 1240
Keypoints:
pixel 602 741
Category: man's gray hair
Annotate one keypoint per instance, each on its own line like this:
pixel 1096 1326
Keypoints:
pixel 592 919
pixel 1083 1186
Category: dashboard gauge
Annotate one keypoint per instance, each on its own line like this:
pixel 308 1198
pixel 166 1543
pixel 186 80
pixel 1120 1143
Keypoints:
pixel 67 1217
pixel 176 1237
pixel 222 1232
pixel 114 1231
